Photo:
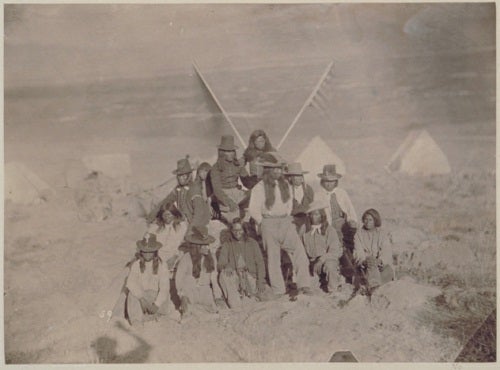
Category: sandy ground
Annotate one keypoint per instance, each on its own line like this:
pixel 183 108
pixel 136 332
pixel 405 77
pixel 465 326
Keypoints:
pixel 60 272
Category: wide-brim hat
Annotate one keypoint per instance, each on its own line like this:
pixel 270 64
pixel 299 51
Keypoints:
pixel 148 243
pixel 227 143
pixel 270 159
pixel 199 235
pixel 183 167
pixel 317 205
pixel 329 173
pixel 295 169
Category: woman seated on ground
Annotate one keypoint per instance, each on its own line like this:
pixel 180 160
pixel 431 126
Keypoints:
pixel 322 246
pixel 147 285
pixel 372 253
pixel 257 145
pixel 170 230
pixel 193 273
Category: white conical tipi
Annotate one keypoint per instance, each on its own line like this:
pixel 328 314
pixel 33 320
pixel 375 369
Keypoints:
pixel 420 155
pixel 23 186
pixel 315 155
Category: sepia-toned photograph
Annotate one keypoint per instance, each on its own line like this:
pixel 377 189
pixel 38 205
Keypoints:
pixel 250 183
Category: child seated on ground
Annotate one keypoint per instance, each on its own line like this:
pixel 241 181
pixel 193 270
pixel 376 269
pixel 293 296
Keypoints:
pixel 371 251
pixel 322 246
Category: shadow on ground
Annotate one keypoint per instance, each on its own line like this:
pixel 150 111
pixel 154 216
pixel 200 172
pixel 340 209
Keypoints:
pixel 105 349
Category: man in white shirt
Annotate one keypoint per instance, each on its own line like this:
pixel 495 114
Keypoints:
pixel 271 206
pixel 341 215
pixel 341 210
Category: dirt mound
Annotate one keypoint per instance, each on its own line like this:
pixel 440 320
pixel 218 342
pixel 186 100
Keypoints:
pixel 99 197
pixel 403 295
pixel 113 165
pixel 92 198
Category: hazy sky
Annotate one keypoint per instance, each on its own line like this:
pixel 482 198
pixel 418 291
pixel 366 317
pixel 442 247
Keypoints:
pixel 52 44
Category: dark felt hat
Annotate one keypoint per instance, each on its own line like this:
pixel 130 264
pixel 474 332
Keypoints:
pixel 270 159
pixel 295 169
pixel 227 143
pixel 329 173
pixel 148 243
pixel 199 235
pixel 183 167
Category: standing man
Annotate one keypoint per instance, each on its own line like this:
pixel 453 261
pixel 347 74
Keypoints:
pixel 302 193
pixel 224 177
pixel 271 207
pixel 241 266
pixel 187 198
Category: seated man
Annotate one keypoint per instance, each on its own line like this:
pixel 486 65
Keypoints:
pixel 147 283
pixel 322 245
pixel 372 252
pixel 194 270
pixel 224 176
pixel 241 266
pixel 340 214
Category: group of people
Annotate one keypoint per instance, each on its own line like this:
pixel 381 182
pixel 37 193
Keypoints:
pixel 251 228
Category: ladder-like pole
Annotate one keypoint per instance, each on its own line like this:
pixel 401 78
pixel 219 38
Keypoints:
pixel 308 101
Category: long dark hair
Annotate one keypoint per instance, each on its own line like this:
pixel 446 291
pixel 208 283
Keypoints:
pixel 376 216
pixel 270 184
pixel 174 211
pixel 324 221
pixel 142 262
pixel 251 151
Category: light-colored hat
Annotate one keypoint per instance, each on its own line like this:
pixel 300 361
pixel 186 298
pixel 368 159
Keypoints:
pixel 317 205
pixel 148 243
pixel 270 159
pixel 294 169
pixel 199 235
pixel 183 167
pixel 329 173
pixel 227 143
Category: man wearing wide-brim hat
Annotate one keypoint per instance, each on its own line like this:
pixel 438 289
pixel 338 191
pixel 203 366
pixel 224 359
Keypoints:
pixel 271 206
pixel 302 193
pixel 147 283
pixel 231 198
pixel 341 214
pixel 187 198
pixel 193 275
pixel 341 209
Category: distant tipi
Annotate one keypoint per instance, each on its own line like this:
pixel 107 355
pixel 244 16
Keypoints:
pixel 419 154
pixel 315 155
pixel 23 186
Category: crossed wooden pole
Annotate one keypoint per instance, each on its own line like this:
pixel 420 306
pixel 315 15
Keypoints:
pixel 295 120
pixel 228 119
